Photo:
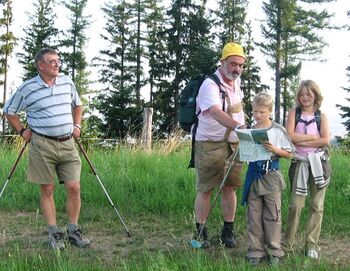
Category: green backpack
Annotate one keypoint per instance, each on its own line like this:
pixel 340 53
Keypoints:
pixel 187 100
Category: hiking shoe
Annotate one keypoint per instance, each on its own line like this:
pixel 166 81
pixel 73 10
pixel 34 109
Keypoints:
pixel 227 237
pixel 312 253
pixel 203 237
pixel 78 239
pixel 56 240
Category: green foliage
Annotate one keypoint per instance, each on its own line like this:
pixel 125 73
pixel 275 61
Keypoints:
pixel 116 101
pixel 344 143
pixel 251 82
pixel 231 18
pixel 73 45
pixel 345 108
pixel 189 45
pixel 292 32
pixel 7 39
pixel 7 44
pixel 41 33
pixel 154 192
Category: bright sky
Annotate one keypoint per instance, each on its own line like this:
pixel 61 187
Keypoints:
pixel 329 75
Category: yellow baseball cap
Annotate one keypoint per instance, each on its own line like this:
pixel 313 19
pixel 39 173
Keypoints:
pixel 232 49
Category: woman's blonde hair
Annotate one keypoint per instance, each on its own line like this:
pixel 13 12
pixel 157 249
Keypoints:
pixel 263 99
pixel 311 87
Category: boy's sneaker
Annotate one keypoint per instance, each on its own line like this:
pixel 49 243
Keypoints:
pixel 312 254
pixel 228 238
pixel 78 239
pixel 56 240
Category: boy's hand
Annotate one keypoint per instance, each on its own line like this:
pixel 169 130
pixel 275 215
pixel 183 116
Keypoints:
pixel 277 151
pixel 271 148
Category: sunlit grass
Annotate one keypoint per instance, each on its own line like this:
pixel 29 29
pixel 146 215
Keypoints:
pixel 154 192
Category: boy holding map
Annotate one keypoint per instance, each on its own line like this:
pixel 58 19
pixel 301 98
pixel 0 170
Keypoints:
pixel 263 185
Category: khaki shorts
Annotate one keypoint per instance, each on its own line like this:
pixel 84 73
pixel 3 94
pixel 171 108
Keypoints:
pixel 211 164
pixel 47 157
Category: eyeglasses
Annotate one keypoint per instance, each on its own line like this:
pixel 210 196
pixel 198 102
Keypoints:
pixel 53 62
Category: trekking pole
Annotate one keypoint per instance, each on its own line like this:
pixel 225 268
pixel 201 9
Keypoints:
pixel 196 243
pixel 13 168
pixel 103 187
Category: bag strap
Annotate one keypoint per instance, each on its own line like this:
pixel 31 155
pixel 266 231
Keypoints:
pixel 229 112
pixel 225 97
pixel 316 119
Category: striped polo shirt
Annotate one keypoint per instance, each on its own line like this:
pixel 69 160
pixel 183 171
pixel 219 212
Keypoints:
pixel 48 108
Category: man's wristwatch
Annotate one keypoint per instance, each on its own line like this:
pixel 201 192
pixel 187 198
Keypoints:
pixel 20 132
pixel 77 125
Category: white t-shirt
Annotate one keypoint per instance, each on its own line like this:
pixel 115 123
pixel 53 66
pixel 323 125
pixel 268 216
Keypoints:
pixel 208 96
pixel 278 137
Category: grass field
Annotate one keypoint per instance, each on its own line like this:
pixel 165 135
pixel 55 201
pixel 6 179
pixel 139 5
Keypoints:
pixel 154 193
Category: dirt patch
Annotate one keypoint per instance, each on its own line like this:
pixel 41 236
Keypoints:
pixel 110 245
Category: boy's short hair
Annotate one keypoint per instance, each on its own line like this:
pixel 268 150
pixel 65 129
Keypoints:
pixel 310 86
pixel 263 99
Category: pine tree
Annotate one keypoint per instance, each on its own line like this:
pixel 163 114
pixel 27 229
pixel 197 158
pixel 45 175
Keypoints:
pixel 251 81
pixel 73 56
pixel 40 33
pixel 345 108
pixel 231 16
pixel 291 32
pixel 156 46
pixel 157 56
pixel 137 23
pixel 7 43
pixel 116 101
pixel 188 42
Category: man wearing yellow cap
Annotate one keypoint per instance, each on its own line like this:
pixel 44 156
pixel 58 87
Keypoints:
pixel 216 141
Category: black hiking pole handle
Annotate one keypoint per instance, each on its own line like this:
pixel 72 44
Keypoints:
pixel 14 167
pixel 231 162
pixel 103 187
pixel 85 155
pixel 17 159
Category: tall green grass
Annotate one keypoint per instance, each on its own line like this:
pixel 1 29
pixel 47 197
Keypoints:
pixel 154 192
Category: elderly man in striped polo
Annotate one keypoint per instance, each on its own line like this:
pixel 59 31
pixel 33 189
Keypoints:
pixel 54 111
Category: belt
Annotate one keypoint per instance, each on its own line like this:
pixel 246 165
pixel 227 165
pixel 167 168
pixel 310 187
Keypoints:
pixel 57 138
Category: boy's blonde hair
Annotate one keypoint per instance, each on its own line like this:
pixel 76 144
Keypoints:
pixel 310 86
pixel 263 99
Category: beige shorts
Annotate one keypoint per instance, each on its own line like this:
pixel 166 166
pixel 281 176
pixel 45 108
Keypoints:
pixel 211 164
pixel 47 157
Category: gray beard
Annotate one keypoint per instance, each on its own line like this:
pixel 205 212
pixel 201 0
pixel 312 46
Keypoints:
pixel 230 76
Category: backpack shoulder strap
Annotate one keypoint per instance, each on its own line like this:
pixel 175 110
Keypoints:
pixel 297 116
pixel 318 119
pixel 216 79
